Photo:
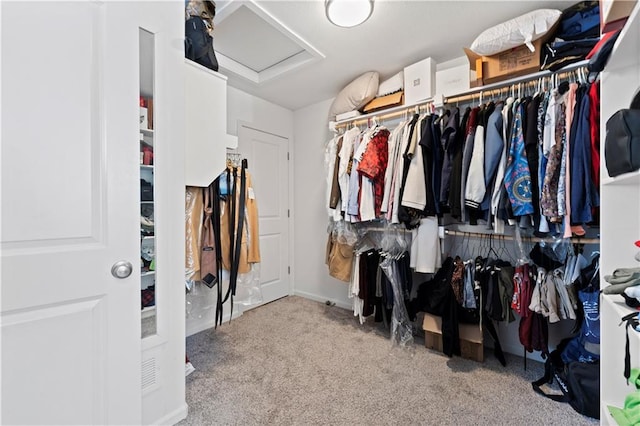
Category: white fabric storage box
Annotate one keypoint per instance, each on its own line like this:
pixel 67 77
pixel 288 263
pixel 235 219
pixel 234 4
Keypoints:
pixel 454 80
pixel 419 81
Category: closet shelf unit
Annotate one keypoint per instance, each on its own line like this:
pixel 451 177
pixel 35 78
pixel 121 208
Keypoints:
pixel 620 220
pixel 206 138
pixel 475 93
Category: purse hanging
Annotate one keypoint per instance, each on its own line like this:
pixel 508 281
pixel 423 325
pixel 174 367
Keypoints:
pixel 208 257
pixel 622 141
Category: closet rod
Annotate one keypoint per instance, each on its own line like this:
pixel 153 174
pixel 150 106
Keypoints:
pixel 529 78
pixel 371 229
pixel 384 114
pixel 578 240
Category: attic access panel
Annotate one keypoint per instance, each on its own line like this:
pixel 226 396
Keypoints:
pixel 252 44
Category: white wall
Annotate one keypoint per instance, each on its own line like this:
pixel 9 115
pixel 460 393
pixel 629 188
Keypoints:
pixel 264 116
pixel 311 276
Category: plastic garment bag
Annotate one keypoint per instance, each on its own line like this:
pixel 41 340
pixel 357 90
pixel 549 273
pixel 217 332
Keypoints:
pixel 248 289
pixel 401 329
pixel 193 219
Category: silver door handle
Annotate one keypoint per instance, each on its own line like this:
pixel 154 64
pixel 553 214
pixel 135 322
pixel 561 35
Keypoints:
pixel 121 269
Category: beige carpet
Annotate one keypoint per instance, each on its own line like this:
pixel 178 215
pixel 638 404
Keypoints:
pixel 299 362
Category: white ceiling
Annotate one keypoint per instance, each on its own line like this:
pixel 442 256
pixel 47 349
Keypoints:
pixel 398 34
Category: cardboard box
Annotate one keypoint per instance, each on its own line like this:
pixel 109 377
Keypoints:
pixel 383 102
pixel 419 81
pixel 508 64
pixel 454 80
pixel 471 346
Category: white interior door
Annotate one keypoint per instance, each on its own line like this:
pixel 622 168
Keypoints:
pixel 267 156
pixel 70 329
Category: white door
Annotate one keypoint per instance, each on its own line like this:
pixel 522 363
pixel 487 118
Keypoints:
pixel 70 329
pixel 267 156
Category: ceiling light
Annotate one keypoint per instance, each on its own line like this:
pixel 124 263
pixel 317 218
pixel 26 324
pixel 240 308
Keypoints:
pixel 348 13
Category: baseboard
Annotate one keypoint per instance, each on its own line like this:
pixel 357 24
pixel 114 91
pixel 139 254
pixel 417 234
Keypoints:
pixel 519 351
pixel 173 417
pixel 339 303
pixel 511 349
pixel 196 325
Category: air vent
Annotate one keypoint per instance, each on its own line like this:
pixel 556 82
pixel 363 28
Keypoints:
pixel 148 373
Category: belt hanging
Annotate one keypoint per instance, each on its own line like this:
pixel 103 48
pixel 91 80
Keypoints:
pixel 215 206
pixel 235 237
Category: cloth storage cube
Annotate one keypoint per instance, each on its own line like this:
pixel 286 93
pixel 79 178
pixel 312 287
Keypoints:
pixel 419 81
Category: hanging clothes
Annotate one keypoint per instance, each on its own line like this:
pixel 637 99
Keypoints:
pixel 331 174
pixel 450 149
pixel 454 202
pixel 373 166
pixel 552 181
pixel 401 328
pixel 344 169
pixel 517 176
pixel 466 159
pixel 475 187
pixel 494 145
pixel 249 250
pixel 428 145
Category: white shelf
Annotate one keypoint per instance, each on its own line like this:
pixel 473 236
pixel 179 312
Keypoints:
pixel 518 79
pixel 605 416
pixel 147 273
pixel 617 302
pixel 148 237
pixel 146 167
pixel 625 51
pixel 630 179
pixel 147 132
pixel 383 111
pixel 149 311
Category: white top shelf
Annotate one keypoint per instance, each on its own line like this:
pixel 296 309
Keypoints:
pixel 147 273
pixel 625 52
pixel 149 311
pixel 147 132
pixel 630 179
pixel 621 308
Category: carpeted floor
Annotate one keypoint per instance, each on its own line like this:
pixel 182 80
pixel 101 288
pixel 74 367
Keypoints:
pixel 300 362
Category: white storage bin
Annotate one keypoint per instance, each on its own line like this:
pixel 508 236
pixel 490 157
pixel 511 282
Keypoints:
pixel 454 80
pixel 419 81
pixel 144 119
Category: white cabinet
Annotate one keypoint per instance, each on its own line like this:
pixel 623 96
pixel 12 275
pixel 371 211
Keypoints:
pixel 206 124
pixel 620 220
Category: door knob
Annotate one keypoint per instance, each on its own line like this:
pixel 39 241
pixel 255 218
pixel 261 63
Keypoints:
pixel 121 269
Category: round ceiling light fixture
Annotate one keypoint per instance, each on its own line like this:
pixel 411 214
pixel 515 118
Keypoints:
pixel 348 13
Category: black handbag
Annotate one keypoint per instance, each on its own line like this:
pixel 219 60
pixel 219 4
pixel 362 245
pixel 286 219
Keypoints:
pixel 622 141
pixel 199 44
